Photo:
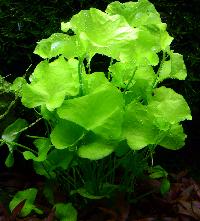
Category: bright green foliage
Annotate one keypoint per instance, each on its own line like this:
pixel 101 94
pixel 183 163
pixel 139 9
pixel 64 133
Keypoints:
pixel 66 134
pixel 90 115
pixel 43 146
pixel 17 85
pixel 157 122
pixel 122 73
pixel 101 111
pixel 174 138
pixel 66 212
pixel 58 44
pixel 94 80
pixel 50 83
pixel 101 33
pixel 168 106
pixel 139 129
pixel 173 68
pixel 126 105
pixel 152 34
pixel 28 195
pixel 95 150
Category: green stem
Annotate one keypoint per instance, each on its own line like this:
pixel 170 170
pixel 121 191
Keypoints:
pixel 159 69
pixel 80 66
pixel 130 80
pixel 25 128
pixel 8 109
pixel 19 145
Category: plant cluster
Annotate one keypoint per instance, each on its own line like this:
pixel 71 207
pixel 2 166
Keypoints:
pixel 100 123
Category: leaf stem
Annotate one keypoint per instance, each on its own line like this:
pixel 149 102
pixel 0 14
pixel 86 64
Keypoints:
pixel 80 66
pixel 19 145
pixel 126 88
pixel 159 69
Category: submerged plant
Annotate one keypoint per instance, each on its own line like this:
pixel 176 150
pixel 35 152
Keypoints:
pixel 91 115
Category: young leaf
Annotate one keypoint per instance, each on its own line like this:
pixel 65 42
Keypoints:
pixel 166 105
pixel 66 134
pixel 157 172
pixel 29 196
pixel 66 212
pixel 12 132
pixel 101 111
pixel 152 34
pixel 43 145
pixel 136 13
pixel 17 85
pixel 58 44
pixel 9 160
pixel 143 82
pixel 173 68
pixel 101 33
pixel 122 73
pixel 174 139
pixel 50 83
pixel 165 186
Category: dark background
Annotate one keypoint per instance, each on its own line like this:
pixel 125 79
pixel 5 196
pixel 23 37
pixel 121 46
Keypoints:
pixel 24 22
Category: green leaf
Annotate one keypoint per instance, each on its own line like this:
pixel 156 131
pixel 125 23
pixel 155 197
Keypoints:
pixel 93 81
pixel 122 73
pixel 43 145
pixel 17 85
pixel 168 106
pixel 142 88
pixel 55 159
pixel 28 195
pixel 50 116
pixel 66 212
pixel 165 186
pixel 138 127
pixel 173 68
pixel 58 44
pixel 100 111
pixel 121 148
pixel 136 13
pixel 157 172
pixel 174 139
pixel 48 191
pixel 65 26
pixel 95 150
pixel 50 83
pixel 66 134
pixel 12 132
pixel 152 34
pixel 9 160
pixel 101 33
pixel 84 193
